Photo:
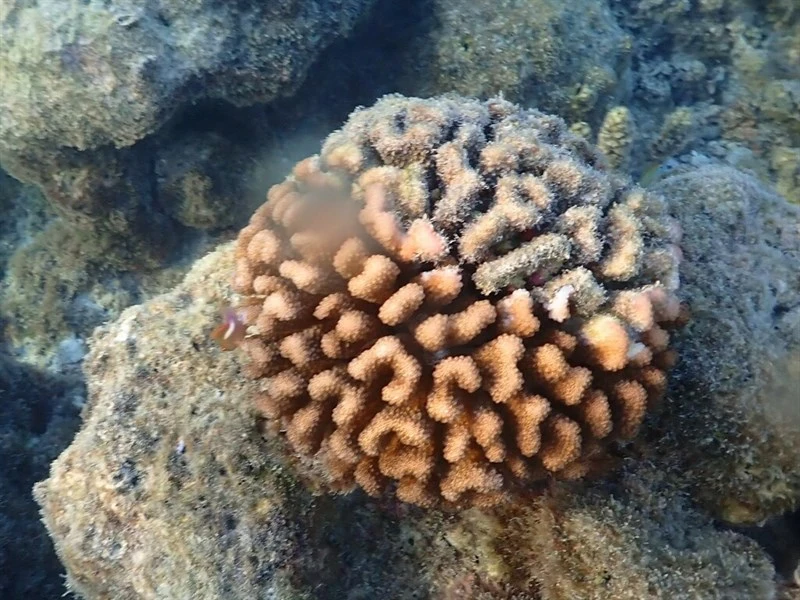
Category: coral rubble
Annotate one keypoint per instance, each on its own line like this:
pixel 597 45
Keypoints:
pixel 720 78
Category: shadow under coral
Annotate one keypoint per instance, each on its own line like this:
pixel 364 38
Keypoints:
pixel 39 414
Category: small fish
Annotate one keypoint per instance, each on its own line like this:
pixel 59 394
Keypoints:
pixel 231 331
pixel 656 170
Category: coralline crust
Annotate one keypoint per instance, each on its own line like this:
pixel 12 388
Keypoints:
pixel 455 301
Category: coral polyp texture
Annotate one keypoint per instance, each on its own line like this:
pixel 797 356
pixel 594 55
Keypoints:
pixel 456 301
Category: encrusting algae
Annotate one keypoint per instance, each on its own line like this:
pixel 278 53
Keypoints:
pixel 457 300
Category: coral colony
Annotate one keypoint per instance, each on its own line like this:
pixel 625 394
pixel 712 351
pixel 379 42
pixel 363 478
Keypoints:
pixel 456 300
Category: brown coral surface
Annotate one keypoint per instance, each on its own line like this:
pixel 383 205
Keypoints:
pixel 456 299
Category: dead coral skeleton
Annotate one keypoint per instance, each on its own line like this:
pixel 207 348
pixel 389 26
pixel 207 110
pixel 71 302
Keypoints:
pixel 457 302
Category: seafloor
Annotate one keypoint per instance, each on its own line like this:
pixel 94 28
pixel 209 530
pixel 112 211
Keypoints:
pixel 136 140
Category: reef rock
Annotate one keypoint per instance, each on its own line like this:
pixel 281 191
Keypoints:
pixel 172 490
pixel 84 83
pixel 653 541
pixel 733 399
pixel 570 58
pixel 110 74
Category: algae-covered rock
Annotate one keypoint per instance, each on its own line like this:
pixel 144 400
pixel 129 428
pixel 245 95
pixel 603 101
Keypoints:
pixel 733 402
pixel 785 163
pixel 45 276
pixel 782 104
pixel 193 187
pixel 63 281
pixel 146 503
pixel 91 74
pixel 570 58
pixel 640 537
pixel 88 86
